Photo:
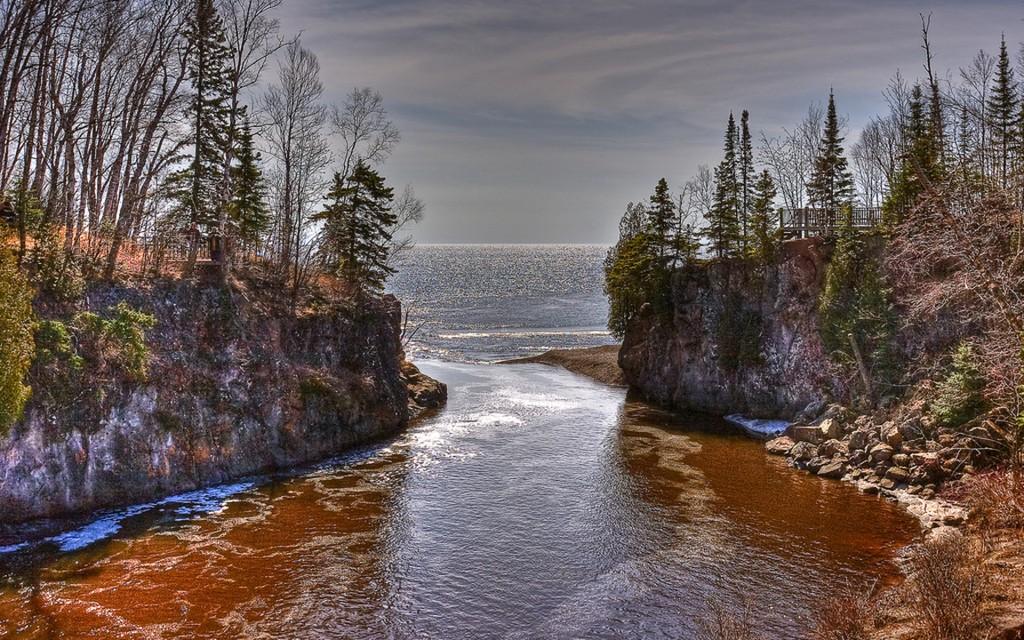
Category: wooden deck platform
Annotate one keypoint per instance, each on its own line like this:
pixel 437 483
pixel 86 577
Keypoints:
pixel 809 222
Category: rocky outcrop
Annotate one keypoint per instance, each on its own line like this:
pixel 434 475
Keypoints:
pixel 234 388
pixel 905 461
pixel 736 339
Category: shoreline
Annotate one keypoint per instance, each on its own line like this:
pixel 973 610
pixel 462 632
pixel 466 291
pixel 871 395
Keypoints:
pixel 597 363
pixel 937 516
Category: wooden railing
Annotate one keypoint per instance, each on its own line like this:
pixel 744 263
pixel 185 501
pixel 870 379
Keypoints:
pixel 808 222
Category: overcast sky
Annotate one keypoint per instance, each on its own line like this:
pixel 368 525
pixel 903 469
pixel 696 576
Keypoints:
pixel 537 120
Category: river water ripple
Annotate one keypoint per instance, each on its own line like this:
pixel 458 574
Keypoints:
pixel 538 504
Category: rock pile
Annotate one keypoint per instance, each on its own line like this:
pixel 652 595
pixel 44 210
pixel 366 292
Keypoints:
pixel 908 461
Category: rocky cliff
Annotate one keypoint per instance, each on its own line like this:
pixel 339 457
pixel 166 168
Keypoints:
pixel 735 339
pixel 234 387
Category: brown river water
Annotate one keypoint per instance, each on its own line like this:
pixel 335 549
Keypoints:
pixel 538 504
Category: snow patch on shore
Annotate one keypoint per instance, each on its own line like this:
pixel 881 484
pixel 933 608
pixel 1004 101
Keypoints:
pixel 758 427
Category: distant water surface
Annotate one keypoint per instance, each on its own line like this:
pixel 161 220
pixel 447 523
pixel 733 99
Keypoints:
pixel 493 302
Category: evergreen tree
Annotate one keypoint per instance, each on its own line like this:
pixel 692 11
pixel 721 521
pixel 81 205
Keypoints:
pixel 661 218
pixel 357 226
pixel 634 274
pixel 1002 110
pixel 250 217
pixel 745 185
pixel 766 232
pixel 196 189
pixel 855 302
pixel 16 345
pixel 921 154
pixel 831 184
pixel 723 230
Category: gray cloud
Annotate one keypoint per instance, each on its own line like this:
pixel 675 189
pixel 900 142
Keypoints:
pixel 535 121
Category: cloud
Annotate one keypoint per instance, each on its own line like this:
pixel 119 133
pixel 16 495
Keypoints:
pixel 578 106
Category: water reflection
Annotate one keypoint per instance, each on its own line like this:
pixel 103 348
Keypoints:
pixel 538 504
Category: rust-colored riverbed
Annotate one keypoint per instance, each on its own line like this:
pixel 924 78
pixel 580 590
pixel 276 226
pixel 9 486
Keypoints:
pixel 537 505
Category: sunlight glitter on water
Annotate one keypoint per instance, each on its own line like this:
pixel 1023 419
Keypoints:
pixel 538 504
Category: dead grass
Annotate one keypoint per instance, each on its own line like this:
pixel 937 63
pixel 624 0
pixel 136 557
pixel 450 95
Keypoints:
pixel 996 501
pixel 846 615
pixel 946 589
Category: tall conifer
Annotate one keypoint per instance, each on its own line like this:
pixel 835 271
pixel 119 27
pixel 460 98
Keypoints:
pixel 250 217
pixel 1002 110
pixel 723 230
pixel 831 184
pixel 197 188
pixel 661 217
pixel 765 229
pixel 358 222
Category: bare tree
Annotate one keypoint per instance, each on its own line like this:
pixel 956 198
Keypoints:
pixel 295 119
pixel 252 36
pixel 365 130
pixel 408 210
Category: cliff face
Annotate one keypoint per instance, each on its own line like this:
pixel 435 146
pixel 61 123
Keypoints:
pixel 735 341
pixel 233 389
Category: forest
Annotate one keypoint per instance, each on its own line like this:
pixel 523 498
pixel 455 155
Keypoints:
pixel 945 168
pixel 142 138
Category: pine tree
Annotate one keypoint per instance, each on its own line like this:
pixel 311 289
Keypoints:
pixel 746 178
pixel 921 154
pixel 661 217
pixel 723 230
pixel 831 184
pixel 357 227
pixel 764 220
pixel 1002 110
pixel 196 188
pixel 250 217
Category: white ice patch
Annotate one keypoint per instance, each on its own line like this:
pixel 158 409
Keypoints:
pixel 188 505
pixel 758 427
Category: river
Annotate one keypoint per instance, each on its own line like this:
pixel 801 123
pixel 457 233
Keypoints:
pixel 538 504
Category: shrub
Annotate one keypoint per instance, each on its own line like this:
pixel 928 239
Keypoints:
pixel 118 342
pixel 55 271
pixel 844 615
pixel 995 499
pixel 959 396
pixel 54 345
pixel 946 587
pixel 16 344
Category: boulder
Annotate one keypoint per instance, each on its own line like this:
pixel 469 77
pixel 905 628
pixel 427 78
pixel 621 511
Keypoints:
pixel 810 412
pixel 831 429
pixel 803 451
pixel 816 463
pixel 835 469
pixel 805 433
pixel 911 430
pixel 901 460
pixel 859 439
pixel 899 475
pixel 830 448
pixel 881 452
pixel 836 412
pixel 887 483
pixel 890 434
pixel 779 446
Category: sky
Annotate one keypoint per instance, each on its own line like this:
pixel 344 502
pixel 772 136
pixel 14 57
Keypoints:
pixel 537 121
